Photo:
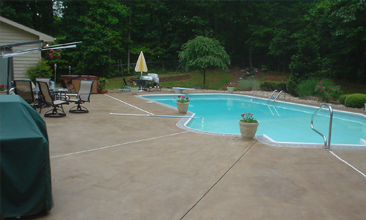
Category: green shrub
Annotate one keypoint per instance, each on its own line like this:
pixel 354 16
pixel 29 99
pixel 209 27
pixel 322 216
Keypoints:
pixel 282 86
pixel 307 88
pixel 39 70
pixel 292 87
pixel 355 100
pixel 248 84
pixel 271 86
pixel 327 91
pixel 342 99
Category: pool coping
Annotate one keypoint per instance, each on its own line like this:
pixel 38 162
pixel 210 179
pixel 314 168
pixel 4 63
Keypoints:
pixel 262 138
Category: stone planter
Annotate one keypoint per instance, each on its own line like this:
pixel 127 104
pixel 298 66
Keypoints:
pixel 134 90
pixel 248 130
pixel 182 107
pixel 230 89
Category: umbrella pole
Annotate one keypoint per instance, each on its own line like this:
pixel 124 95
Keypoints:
pixel 141 83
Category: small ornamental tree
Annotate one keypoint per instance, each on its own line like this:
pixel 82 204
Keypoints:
pixel 203 53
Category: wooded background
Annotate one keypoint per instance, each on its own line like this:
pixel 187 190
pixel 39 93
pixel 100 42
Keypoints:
pixel 308 38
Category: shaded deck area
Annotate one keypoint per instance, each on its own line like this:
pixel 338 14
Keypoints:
pixel 126 167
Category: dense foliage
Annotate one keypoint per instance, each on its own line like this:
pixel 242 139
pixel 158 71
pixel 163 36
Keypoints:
pixel 312 39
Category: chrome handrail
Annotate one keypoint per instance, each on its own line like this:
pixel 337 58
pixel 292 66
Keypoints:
pixel 330 125
pixel 271 96
pixel 278 95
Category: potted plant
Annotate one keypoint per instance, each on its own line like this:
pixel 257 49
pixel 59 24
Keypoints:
pixel 248 125
pixel 134 89
pixel 41 69
pixel 101 85
pixel 230 87
pixel 182 104
pixel 2 88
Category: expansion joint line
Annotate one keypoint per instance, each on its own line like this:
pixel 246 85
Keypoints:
pixel 218 180
pixel 347 164
pixel 118 145
pixel 128 104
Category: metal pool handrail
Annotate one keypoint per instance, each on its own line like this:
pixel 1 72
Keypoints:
pixel 275 98
pixel 278 95
pixel 271 96
pixel 327 147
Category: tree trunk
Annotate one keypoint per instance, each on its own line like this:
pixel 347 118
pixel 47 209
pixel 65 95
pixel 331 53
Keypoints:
pixel 250 60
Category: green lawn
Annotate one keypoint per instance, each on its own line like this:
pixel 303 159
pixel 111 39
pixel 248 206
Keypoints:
pixel 216 79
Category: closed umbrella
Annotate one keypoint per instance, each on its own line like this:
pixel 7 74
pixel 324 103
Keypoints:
pixel 141 64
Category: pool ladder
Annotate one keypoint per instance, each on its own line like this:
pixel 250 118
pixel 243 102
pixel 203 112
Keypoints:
pixel 326 144
pixel 274 99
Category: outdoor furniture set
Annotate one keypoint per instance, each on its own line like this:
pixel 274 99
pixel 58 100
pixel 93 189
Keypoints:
pixel 151 81
pixel 43 96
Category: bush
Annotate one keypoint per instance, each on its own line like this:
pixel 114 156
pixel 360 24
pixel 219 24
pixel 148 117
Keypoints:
pixel 292 87
pixel 307 87
pixel 39 70
pixel 248 84
pixel 282 86
pixel 355 100
pixel 271 86
pixel 342 99
pixel 327 91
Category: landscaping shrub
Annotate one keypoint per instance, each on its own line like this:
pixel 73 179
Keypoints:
pixel 355 100
pixel 248 84
pixel 342 99
pixel 291 87
pixel 271 86
pixel 39 70
pixel 282 86
pixel 327 91
pixel 307 88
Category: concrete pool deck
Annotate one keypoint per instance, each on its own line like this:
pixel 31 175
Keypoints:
pixel 127 167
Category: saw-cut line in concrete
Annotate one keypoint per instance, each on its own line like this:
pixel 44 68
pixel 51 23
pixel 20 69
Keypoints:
pixel 218 180
pixel 116 145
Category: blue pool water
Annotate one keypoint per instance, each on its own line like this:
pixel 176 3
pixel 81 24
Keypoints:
pixel 282 121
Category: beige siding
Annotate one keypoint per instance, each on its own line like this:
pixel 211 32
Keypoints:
pixel 13 35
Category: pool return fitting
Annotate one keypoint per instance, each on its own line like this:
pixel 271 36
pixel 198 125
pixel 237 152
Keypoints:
pixel 326 146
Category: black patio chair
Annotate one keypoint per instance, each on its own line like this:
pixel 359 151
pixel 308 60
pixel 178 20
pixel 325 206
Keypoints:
pixel 124 84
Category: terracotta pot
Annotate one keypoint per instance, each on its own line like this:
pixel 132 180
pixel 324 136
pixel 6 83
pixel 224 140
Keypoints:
pixel 248 130
pixel 182 107
pixel 102 91
pixel 230 89
pixel 134 90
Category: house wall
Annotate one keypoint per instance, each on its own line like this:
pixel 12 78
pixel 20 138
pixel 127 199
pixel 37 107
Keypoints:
pixel 12 35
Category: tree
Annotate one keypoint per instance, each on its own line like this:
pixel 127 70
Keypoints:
pixel 203 53
pixel 100 27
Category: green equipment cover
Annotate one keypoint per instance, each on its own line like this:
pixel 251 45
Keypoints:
pixel 25 162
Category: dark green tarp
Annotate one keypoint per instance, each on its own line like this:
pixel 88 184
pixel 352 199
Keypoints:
pixel 25 162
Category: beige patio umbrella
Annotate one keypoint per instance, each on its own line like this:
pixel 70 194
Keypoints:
pixel 141 64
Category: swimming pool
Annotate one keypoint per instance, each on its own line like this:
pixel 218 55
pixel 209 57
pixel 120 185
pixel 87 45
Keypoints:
pixel 281 121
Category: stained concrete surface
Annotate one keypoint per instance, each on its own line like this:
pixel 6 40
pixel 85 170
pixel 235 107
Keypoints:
pixel 128 167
